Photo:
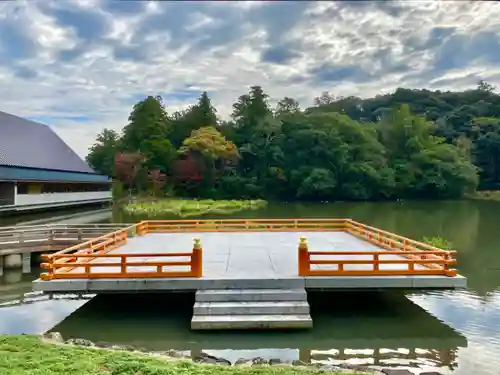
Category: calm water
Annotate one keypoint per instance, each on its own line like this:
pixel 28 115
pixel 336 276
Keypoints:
pixel 453 332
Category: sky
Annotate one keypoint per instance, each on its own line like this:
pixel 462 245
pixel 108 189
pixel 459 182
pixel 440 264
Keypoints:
pixel 80 65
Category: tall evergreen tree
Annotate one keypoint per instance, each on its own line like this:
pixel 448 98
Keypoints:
pixel 148 121
pixel 101 156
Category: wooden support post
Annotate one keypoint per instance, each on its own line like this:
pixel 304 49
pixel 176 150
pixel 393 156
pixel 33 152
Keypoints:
pixel 197 258
pixel 26 257
pixel 50 239
pixel 1 265
pixel 303 260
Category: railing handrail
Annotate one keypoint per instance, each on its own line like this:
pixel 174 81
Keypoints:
pixel 91 242
pixel 384 252
pixel 248 220
pixel 435 260
pixel 396 236
pixel 62 226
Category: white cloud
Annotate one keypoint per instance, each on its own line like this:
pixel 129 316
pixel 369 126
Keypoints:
pixel 348 48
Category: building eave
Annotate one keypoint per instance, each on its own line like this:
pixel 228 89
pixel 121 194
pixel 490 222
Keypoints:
pixel 11 173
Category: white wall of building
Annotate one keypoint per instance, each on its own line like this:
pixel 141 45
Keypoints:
pixel 52 198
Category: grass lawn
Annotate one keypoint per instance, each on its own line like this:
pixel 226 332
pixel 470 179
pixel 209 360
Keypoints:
pixel 190 208
pixel 28 355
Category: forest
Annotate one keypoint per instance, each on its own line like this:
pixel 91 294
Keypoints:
pixel 410 144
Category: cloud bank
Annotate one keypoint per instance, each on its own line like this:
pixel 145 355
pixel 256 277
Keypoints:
pixel 80 65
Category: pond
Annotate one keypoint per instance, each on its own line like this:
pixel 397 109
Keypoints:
pixel 448 331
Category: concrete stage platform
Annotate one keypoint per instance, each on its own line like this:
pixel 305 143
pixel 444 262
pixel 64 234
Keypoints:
pixel 249 260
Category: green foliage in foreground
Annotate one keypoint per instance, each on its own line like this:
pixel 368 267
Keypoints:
pixel 190 208
pixel 439 242
pixel 27 355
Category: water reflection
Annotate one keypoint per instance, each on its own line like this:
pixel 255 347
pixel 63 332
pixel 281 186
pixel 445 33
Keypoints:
pixel 350 328
pixel 389 331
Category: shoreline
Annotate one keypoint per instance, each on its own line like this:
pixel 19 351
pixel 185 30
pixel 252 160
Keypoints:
pixel 485 195
pixel 201 359
pixel 50 354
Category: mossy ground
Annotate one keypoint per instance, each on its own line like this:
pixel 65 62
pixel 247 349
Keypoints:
pixel 486 195
pixel 190 208
pixel 28 355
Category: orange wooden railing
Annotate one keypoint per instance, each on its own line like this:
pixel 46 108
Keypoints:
pixel 120 267
pixel 88 259
pixel 412 249
pixel 84 260
pixel 410 262
pixel 241 225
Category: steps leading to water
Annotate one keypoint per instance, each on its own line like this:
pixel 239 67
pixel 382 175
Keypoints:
pixel 251 309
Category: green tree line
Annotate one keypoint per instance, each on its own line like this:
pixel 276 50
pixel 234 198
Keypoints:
pixel 407 144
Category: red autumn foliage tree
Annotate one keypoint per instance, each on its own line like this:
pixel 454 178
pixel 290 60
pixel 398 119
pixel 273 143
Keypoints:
pixel 158 179
pixel 188 168
pixel 127 164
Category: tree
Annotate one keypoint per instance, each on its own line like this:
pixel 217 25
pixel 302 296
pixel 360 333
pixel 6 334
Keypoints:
pixel 101 156
pixel 210 146
pixel 209 143
pixel 199 115
pixel 158 153
pixel 325 99
pixel 157 179
pixel 424 165
pixel 148 121
pixel 204 113
pixel 406 144
pixel 249 112
pixel 126 166
pixel 287 106
pixel 485 86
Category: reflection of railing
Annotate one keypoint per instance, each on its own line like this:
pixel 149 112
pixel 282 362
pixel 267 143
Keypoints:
pixel 385 357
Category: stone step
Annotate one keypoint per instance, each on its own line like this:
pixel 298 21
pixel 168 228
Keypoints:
pixel 251 308
pixel 204 322
pixel 247 295
pixel 261 283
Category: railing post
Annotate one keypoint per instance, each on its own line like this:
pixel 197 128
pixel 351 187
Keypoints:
pixel 376 263
pixel 197 258
pixel 447 270
pixel 49 266
pixel 303 257
pixel 123 264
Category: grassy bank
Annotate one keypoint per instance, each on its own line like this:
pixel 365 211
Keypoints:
pixel 485 195
pixel 27 355
pixel 190 208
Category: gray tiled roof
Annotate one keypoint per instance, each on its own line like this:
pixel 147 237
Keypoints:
pixel 25 143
